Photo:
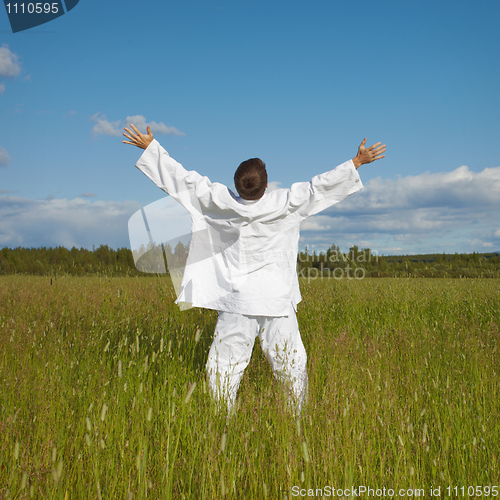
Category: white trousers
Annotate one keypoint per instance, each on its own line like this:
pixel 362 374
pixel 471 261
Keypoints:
pixel 232 347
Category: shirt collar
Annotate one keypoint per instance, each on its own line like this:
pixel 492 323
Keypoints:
pixel 241 200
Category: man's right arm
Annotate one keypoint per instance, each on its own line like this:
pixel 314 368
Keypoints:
pixel 168 174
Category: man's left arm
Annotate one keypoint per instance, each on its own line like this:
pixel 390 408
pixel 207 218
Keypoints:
pixel 329 188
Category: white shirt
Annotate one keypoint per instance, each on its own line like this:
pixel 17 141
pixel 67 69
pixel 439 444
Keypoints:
pixel 243 254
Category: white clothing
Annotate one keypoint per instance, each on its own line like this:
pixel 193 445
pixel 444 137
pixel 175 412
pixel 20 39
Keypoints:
pixel 243 254
pixel 231 351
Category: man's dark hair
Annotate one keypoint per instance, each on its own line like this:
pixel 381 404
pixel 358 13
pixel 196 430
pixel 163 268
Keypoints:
pixel 250 179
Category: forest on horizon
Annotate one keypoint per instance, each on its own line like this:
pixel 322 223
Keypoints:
pixel 355 264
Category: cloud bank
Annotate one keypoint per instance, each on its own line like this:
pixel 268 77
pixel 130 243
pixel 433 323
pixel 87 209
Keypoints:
pixel 62 222
pixel 444 212
pixel 449 211
pixel 114 129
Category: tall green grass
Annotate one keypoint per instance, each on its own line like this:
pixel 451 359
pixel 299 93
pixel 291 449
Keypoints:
pixel 98 398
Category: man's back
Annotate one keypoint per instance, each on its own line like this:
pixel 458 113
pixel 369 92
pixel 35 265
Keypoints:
pixel 242 256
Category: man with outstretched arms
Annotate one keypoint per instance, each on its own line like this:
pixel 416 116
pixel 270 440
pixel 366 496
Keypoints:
pixel 243 255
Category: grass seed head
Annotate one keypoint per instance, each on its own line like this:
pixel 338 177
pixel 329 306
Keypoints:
pixel 59 469
pixel 190 391
pixel 103 411
pixel 305 452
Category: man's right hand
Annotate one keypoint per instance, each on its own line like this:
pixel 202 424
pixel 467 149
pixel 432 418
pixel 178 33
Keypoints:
pixel 367 155
pixel 140 140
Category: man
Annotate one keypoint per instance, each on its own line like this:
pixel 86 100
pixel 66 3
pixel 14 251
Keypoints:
pixel 242 258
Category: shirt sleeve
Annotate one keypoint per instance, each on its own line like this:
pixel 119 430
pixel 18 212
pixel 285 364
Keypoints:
pixel 325 190
pixel 187 187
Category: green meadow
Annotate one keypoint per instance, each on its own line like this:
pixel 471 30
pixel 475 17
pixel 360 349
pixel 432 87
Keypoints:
pixel 103 394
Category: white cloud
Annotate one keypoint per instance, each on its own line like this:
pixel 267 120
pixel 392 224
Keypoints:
pixel 115 129
pixel 390 250
pixel 272 186
pixel 9 65
pixel 453 219
pixel 4 157
pixel 104 127
pixel 480 244
pixel 317 223
pixel 450 210
pixel 458 188
pixel 54 222
pixel 139 121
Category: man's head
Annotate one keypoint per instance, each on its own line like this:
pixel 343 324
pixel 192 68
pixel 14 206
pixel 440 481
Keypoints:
pixel 250 179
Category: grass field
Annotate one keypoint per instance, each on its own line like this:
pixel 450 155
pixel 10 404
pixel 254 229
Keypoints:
pixel 97 394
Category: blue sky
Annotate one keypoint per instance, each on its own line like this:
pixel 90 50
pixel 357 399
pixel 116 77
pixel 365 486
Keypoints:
pixel 296 83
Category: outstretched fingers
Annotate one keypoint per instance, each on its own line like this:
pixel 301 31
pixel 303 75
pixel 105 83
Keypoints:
pixel 135 129
pixel 378 152
pixel 134 137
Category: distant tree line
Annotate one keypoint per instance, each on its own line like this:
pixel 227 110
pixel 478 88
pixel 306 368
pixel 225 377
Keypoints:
pixel 61 261
pixel 356 263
